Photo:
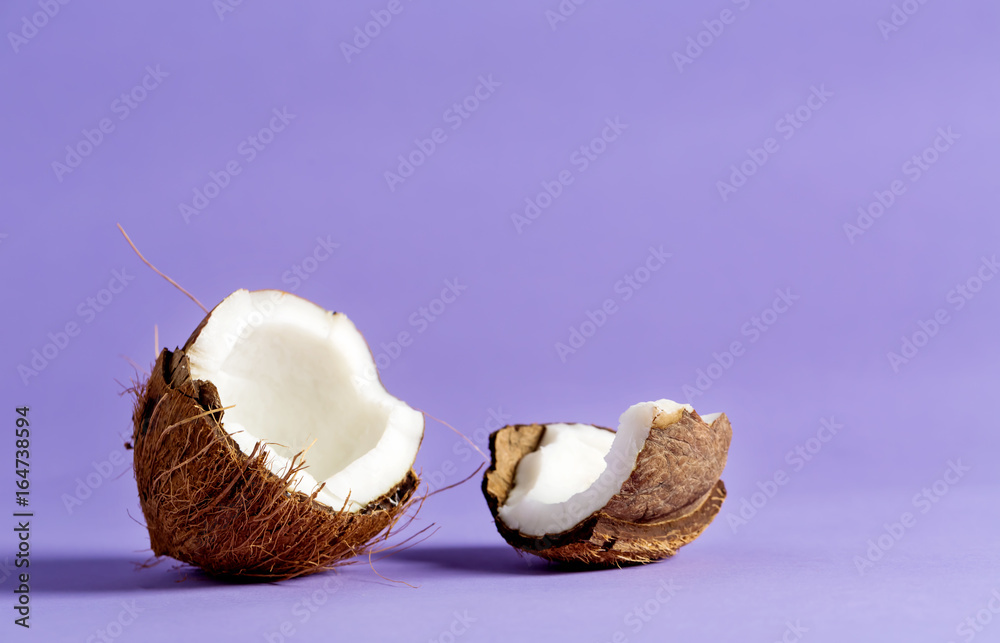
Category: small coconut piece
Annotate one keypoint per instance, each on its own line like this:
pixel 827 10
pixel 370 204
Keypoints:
pixel 584 494
pixel 267 447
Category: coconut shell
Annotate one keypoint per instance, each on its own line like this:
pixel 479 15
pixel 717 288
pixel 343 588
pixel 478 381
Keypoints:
pixel 209 504
pixel 671 496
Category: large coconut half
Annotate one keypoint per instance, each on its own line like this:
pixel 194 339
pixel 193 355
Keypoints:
pixel 312 462
pixel 585 494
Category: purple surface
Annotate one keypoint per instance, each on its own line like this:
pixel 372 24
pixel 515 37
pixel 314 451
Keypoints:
pixel 874 98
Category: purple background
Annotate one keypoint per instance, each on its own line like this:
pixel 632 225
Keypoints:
pixel 492 353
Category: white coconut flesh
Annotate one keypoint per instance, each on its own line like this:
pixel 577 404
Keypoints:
pixel 300 378
pixel 710 418
pixel 577 468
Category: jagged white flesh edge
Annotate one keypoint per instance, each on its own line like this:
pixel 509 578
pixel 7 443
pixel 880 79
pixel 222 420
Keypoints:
pixel 576 469
pixel 304 378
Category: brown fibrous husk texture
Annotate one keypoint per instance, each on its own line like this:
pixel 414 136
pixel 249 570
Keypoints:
pixel 209 504
pixel 673 493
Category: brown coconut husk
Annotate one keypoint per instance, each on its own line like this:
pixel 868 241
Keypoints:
pixel 208 504
pixel 673 493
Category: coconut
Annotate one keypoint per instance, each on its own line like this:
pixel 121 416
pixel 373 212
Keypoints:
pixel 267 447
pixel 587 495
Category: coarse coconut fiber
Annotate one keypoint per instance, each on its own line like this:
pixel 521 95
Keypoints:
pixel 230 429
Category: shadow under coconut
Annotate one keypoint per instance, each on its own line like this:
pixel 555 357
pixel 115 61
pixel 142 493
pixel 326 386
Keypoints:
pixel 479 559
pixel 108 573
